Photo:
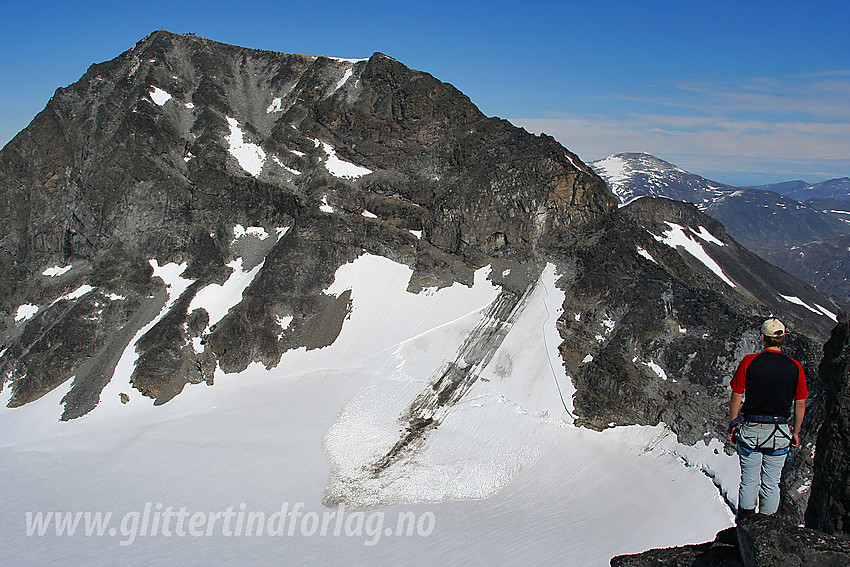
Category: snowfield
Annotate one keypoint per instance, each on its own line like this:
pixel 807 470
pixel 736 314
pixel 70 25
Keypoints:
pixel 275 466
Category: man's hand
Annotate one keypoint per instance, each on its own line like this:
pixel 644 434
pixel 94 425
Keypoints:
pixel 732 430
pixel 795 439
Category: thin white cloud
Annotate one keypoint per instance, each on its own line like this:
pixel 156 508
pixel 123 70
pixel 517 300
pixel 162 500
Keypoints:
pixel 798 124
pixel 802 150
pixel 819 96
pixel 828 73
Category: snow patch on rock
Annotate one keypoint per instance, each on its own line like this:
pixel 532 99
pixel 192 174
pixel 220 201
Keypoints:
pixel 240 231
pixel 678 236
pixel 275 106
pixel 819 311
pixel 251 157
pixel 25 312
pixel 217 299
pixel 646 254
pixel 56 271
pixel 338 167
pixel 159 96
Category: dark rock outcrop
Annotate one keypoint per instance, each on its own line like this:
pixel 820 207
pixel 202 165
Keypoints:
pixel 722 552
pixel 759 541
pixel 829 503
pixel 766 541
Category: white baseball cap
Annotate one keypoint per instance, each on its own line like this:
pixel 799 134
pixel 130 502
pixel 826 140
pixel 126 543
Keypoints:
pixel 773 328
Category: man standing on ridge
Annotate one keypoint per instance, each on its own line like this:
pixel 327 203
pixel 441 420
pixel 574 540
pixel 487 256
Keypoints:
pixel 767 383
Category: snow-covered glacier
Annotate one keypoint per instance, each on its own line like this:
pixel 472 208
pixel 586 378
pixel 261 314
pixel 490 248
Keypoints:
pixel 291 465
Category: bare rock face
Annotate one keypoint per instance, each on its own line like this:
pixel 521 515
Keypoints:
pixel 829 503
pixel 766 541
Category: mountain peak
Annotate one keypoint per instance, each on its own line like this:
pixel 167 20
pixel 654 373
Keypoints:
pixel 634 174
pixel 155 157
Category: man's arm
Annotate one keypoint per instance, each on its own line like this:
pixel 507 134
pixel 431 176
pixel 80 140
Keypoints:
pixel 799 413
pixel 735 405
pixel 734 409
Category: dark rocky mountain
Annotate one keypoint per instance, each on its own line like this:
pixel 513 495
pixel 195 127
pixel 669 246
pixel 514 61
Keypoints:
pixel 160 152
pixel 824 263
pixel 764 219
pixel 162 156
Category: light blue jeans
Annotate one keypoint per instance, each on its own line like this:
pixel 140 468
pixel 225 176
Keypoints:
pixel 761 468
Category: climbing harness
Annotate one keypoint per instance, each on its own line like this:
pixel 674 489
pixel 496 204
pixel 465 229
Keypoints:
pixel 746 449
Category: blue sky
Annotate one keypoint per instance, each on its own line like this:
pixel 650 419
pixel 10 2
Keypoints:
pixel 742 92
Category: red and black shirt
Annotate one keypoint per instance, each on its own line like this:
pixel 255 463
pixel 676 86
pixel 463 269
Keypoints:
pixel 771 381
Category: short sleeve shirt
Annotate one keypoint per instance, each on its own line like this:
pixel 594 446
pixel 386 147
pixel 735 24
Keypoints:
pixel 770 382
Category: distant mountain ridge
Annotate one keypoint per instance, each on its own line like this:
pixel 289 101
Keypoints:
pixel 766 221
pixel 838 188
pixel 804 238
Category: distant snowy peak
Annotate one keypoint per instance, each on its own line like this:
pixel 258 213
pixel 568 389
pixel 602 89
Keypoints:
pixel 633 175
